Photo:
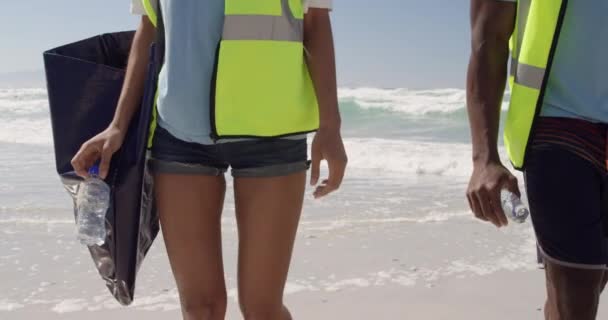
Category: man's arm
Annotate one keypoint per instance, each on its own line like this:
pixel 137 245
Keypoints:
pixel 492 24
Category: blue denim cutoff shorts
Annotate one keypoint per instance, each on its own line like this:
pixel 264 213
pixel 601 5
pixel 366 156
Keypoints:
pixel 247 158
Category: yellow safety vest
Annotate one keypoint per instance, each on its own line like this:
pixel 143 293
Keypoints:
pixel 533 45
pixel 263 87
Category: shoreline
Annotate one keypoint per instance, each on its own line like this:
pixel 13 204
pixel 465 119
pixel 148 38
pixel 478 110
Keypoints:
pixel 501 296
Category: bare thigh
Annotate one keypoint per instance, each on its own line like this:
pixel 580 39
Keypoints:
pixel 268 212
pixel 572 294
pixel 190 212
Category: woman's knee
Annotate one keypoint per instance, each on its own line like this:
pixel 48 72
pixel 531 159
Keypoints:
pixel 257 309
pixel 208 307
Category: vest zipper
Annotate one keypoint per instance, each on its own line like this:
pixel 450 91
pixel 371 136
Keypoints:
pixel 541 96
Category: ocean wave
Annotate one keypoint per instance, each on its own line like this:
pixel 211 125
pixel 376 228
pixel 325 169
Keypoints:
pixel 409 102
pixel 409 157
pixel 27 131
pixel 25 112
pixel 25 116
pixel 23 103
pixel 30 124
pixel 23 94
pixel 348 224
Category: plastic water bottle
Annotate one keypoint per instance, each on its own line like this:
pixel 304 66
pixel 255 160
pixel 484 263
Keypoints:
pixel 513 207
pixel 92 203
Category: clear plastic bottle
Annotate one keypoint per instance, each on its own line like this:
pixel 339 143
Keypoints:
pixel 513 207
pixel 92 204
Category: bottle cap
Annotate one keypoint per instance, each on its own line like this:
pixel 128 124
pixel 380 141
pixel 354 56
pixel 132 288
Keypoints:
pixel 94 170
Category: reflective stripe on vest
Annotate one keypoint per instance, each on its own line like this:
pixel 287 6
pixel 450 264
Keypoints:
pixel 527 75
pixel 285 27
pixel 533 46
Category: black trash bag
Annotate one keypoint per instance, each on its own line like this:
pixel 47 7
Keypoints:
pixel 84 81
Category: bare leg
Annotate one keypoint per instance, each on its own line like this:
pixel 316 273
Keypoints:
pixel 190 213
pixel 572 294
pixel 604 281
pixel 268 212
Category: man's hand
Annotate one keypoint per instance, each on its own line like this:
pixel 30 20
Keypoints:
pixel 484 192
pixel 492 23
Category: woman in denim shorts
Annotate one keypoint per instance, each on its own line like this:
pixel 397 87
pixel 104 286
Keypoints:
pixel 189 162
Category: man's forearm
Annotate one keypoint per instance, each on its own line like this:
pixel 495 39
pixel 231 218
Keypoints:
pixel 485 89
pixel 320 57
pixel 492 24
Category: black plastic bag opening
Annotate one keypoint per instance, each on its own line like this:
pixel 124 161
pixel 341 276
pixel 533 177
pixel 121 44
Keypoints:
pixel 84 81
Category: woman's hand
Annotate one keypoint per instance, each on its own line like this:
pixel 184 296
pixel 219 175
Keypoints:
pixel 327 145
pixel 102 146
pixel 105 144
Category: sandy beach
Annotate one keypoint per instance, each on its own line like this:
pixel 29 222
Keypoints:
pixel 483 298
pixel 397 242
pixel 371 278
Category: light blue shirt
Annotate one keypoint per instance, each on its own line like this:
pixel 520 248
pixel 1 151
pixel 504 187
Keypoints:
pixel 578 83
pixel 193 29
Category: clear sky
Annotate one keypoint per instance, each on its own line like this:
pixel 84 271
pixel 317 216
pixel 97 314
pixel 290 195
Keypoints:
pixel 380 43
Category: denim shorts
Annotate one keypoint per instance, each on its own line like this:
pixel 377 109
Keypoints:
pixel 247 158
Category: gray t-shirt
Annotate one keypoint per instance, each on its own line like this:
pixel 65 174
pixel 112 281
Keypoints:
pixel 578 83
pixel 193 29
